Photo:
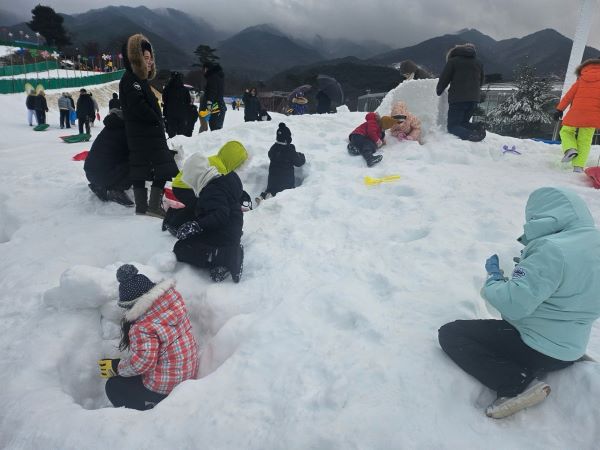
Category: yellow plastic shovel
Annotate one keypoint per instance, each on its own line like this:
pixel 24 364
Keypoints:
pixel 369 181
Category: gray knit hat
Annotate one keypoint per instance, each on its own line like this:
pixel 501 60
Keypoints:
pixel 132 285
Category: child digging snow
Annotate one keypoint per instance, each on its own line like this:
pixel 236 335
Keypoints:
pixel 369 136
pixel 284 158
pixel 548 305
pixel 157 332
pixel 580 123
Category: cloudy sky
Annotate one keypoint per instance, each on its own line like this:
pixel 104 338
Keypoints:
pixel 395 22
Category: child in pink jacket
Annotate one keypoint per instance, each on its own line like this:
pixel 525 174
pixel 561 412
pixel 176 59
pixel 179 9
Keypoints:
pixel 408 126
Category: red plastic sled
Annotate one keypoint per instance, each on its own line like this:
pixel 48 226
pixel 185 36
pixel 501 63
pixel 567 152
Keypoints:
pixel 594 174
pixel 81 156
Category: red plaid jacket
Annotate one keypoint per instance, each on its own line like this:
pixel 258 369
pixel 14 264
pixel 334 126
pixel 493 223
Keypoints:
pixel 163 349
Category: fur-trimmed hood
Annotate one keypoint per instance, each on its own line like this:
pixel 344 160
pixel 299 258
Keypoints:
pixel 145 301
pixel 586 63
pixel 466 50
pixel 133 57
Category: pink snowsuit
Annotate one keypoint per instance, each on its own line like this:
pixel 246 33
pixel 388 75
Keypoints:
pixel 410 129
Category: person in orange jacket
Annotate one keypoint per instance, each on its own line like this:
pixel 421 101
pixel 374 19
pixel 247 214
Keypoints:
pixel 583 117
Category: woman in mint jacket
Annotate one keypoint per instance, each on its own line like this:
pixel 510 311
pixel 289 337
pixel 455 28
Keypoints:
pixel 548 305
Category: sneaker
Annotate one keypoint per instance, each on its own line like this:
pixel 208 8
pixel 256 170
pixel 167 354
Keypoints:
pixel 577 169
pixel 569 155
pixel 99 191
pixel 373 159
pixel 119 197
pixel 506 406
pixel 353 149
pixel 219 273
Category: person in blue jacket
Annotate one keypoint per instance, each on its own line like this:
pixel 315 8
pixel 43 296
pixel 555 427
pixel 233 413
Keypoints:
pixel 548 305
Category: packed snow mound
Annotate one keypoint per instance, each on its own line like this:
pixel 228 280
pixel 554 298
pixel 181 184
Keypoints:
pixel 329 340
pixel 422 101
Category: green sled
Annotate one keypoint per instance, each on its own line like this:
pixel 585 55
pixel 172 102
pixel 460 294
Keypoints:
pixel 41 127
pixel 76 138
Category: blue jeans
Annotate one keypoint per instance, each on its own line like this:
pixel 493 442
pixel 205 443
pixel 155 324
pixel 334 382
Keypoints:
pixel 459 115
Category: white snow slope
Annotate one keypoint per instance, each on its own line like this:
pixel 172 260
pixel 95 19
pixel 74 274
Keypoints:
pixel 330 339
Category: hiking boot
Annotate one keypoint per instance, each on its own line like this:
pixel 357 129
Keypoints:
pixel 155 208
pixel 373 159
pixel 353 149
pixel 99 191
pixel 237 263
pixel 506 406
pixel 219 273
pixel 569 155
pixel 140 196
pixel 577 169
pixel 120 197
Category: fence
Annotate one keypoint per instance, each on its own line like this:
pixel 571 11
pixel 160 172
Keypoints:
pixel 25 44
pixel 7 71
pixel 369 102
pixel 18 85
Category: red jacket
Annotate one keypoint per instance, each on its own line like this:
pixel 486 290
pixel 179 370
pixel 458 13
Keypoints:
pixel 584 97
pixel 370 128
pixel 164 350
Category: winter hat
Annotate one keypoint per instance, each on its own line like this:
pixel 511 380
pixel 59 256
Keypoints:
pixel 388 122
pixel 284 135
pixel 197 172
pixel 115 95
pixel 132 285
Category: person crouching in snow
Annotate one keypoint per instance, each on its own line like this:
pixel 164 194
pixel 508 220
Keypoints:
pixel 284 158
pixel 369 136
pixel 580 123
pixel 408 127
pixel 212 239
pixel 548 305
pixel 157 332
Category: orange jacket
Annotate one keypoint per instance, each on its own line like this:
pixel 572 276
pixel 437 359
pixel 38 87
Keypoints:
pixel 584 97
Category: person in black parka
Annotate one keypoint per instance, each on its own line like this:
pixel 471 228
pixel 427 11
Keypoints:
pixel 464 73
pixel 149 155
pixel 252 106
pixel 114 102
pixel 212 239
pixel 284 158
pixel 323 103
pixel 41 108
pixel 212 101
pixel 176 101
pixel 85 110
pixel 107 165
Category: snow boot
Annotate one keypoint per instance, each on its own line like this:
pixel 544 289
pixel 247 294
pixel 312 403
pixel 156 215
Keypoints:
pixel 507 406
pixel 353 149
pixel 237 263
pixel 99 191
pixel 119 197
pixel 577 169
pixel 140 196
pixel 155 203
pixel 218 273
pixel 372 159
pixel 569 155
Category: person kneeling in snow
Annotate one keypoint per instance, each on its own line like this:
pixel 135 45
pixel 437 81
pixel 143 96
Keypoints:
pixel 107 165
pixel 157 331
pixel 408 127
pixel 212 239
pixel 548 305
pixel 369 136
pixel 284 158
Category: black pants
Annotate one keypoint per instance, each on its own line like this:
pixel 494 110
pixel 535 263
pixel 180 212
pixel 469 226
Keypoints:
pixel 64 118
pixel 141 184
pixel 82 121
pixel 216 120
pixel 131 393
pixel 40 115
pixel 493 352
pixel 365 145
pixel 114 179
pixel 459 115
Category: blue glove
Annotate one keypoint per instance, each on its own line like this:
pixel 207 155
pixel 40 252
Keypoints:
pixel 188 229
pixel 492 266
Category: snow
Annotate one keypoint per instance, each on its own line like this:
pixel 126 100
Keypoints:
pixel 330 339
pixel 52 73
pixel 6 50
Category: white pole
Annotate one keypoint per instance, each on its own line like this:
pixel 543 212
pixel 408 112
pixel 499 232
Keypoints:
pixel 586 14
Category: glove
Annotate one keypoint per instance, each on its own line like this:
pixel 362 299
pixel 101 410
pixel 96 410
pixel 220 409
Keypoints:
pixel 492 266
pixel 188 229
pixel 557 115
pixel 108 367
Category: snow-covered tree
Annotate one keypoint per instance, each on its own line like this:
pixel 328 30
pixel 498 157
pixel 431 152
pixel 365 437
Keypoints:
pixel 525 110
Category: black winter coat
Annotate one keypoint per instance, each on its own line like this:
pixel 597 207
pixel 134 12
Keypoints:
pixel 323 103
pixel 219 213
pixel 464 73
pixel 281 170
pixel 114 103
pixel 215 85
pixel 30 102
pixel 41 104
pixel 85 107
pixel 107 163
pixel 149 155
pixel 251 107
pixel 176 99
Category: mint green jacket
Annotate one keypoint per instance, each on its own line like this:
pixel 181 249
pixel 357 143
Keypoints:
pixel 553 295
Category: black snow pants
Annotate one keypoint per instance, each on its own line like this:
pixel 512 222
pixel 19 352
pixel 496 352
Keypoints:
pixel 493 352
pixel 365 145
pixel 131 393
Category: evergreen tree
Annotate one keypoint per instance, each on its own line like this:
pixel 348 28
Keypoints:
pixel 524 112
pixel 50 25
pixel 206 54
